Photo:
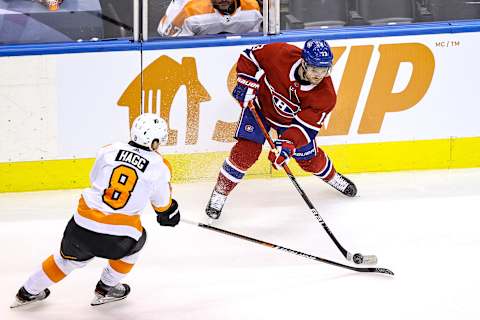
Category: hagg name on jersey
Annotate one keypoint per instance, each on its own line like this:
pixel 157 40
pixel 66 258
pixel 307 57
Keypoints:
pixel 132 158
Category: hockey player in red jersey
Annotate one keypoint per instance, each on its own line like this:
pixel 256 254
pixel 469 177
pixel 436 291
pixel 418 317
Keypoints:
pixel 125 178
pixel 292 91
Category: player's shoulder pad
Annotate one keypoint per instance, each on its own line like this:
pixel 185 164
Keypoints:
pixel 168 164
pixel 164 167
pixel 107 148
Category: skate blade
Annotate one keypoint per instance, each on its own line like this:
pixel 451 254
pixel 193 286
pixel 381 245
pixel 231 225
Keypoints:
pixel 99 301
pixel 18 303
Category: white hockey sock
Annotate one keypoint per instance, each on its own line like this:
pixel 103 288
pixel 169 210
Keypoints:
pixel 116 270
pixel 52 270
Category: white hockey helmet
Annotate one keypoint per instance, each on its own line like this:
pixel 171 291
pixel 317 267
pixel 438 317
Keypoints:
pixel 146 128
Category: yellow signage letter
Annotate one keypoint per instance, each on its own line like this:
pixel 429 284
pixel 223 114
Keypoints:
pixel 381 98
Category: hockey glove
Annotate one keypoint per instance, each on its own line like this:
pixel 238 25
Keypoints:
pixel 246 89
pixel 280 156
pixel 169 217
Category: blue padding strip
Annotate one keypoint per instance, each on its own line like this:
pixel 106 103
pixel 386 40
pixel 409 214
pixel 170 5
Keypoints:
pixel 459 26
pixel 325 172
pixel 232 171
pixel 69 47
pixel 327 34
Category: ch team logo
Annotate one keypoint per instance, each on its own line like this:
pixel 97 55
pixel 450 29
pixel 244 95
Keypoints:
pixel 283 106
pixel 249 128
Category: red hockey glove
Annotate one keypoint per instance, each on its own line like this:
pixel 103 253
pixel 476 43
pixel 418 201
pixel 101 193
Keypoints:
pixel 280 156
pixel 246 89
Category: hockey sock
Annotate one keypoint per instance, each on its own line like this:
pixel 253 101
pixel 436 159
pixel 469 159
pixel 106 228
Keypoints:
pixel 320 165
pixel 228 178
pixel 243 155
pixel 53 270
pixel 116 270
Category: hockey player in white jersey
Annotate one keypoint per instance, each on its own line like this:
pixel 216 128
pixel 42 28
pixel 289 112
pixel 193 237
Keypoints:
pixel 202 17
pixel 124 179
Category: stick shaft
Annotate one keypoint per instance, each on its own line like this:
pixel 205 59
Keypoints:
pixel 285 249
pixel 302 193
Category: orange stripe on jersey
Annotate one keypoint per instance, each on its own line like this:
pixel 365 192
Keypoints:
pixel 169 166
pixel 163 209
pixel 120 266
pixel 51 269
pixel 249 5
pixel 112 219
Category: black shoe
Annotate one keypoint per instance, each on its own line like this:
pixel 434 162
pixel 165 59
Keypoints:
pixel 343 184
pixel 23 297
pixel 215 205
pixel 105 294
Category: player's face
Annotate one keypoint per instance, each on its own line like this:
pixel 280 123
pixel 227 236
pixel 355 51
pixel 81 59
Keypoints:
pixel 222 5
pixel 315 75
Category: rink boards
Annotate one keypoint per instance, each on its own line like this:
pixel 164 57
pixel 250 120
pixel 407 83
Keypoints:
pixel 404 103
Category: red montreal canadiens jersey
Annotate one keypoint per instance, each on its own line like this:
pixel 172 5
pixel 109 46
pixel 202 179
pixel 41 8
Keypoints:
pixel 283 100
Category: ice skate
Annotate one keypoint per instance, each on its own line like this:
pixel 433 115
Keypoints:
pixel 23 297
pixel 105 294
pixel 343 184
pixel 215 204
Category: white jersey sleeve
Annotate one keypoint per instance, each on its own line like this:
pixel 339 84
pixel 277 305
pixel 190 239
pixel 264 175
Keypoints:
pixel 162 187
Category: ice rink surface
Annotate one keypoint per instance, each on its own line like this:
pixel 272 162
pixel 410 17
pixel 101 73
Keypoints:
pixel 423 225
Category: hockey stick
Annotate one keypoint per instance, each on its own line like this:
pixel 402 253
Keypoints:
pixel 358 258
pixel 295 252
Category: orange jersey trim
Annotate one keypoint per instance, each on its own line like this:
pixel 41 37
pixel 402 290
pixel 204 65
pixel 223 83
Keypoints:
pixel 163 209
pixel 111 219
pixel 120 266
pixel 249 5
pixel 169 165
pixel 51 269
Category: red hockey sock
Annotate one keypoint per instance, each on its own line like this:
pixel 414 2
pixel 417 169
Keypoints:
pixel 242 156
pixel 320 165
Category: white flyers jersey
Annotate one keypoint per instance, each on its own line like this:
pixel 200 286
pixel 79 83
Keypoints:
pixel 199 17
pixel 124 179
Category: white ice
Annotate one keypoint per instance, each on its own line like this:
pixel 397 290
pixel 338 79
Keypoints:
pixel 422 225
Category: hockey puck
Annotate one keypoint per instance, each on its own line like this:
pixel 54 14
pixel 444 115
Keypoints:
pixel 358 258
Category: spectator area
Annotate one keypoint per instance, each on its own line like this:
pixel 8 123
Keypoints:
pixel 27 21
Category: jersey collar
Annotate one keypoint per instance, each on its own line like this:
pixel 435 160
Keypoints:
pixel 136 145
pixel 292 77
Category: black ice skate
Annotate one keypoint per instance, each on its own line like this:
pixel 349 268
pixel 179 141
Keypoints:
pixel 343 184
pixel 215 204
pixel 23 297
pixel 105 294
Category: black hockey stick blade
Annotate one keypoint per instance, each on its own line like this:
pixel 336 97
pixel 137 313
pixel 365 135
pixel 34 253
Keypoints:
pixel 285 249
